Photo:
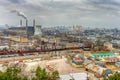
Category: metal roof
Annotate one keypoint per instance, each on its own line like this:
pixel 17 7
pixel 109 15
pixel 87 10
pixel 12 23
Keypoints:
pixel 102 54
pixel 75 76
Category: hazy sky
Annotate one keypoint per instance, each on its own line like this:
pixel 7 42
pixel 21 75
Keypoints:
pixel 88 13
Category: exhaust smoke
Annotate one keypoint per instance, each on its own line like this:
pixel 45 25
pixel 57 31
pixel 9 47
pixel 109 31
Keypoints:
pixel 19 13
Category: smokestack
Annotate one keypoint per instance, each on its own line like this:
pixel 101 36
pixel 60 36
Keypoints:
pixel 27 28
pixel 34 23
pixel 20 23
pixel 26 22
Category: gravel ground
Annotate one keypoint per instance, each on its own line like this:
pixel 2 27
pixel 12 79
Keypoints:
pixel 59 64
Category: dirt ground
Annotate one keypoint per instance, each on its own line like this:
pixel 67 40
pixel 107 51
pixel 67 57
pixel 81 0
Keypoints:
pixel 58 64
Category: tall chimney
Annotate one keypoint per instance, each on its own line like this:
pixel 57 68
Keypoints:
pixel 34 23
pixel 26 28
pixel 26 23
pixel 20 23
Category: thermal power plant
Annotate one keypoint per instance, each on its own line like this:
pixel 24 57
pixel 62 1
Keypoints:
pixel 38 30
pixel 27 30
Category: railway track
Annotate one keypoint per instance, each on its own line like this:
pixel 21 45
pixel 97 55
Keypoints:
pixel 21 52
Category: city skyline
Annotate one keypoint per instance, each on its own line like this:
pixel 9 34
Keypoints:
pixel 88 13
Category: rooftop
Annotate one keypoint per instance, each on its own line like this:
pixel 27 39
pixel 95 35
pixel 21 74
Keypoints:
pixel 75 76
pixel 102 54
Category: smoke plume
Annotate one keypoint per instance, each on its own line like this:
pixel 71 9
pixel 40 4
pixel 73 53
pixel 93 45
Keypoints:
pixel 19 13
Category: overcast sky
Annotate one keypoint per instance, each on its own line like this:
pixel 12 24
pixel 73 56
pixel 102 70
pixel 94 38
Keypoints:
pixel 88 13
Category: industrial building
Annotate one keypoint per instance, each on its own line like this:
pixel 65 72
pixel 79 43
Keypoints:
pixel 26 30
pixel 22 30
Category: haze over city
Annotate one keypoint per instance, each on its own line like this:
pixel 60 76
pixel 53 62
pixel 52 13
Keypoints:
pixel 59 40
pixel 88 13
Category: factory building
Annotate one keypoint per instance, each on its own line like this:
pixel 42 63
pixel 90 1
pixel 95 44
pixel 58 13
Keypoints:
pixel 30 30
pixel 22 30
pixel 27 30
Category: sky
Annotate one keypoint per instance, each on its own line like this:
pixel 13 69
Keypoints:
pixel 48 13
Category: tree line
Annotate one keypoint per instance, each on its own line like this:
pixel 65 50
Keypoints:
pixel 13 73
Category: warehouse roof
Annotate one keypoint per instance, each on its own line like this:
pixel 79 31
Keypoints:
pixel 102 54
